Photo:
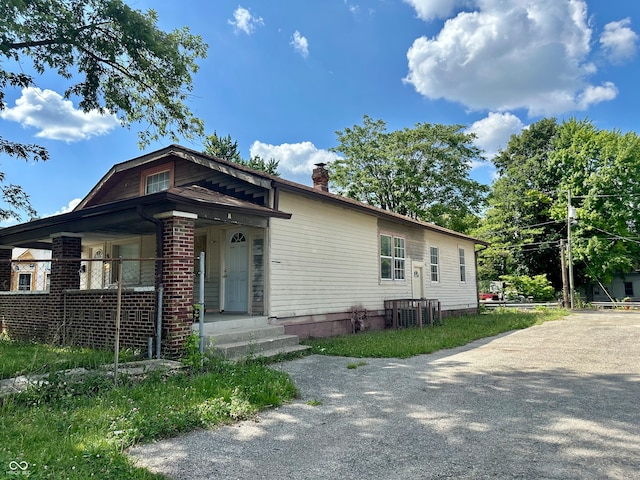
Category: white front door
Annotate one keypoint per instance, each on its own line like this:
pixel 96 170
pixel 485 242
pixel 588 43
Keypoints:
pixel 417 285
pixel 236 272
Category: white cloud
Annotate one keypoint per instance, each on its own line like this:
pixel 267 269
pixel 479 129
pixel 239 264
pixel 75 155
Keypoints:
pixel 300 44
pixel 56 118
pixel 494 131
pixel 431 9
pixel 501 56
pixel 244 21
pixel 296 158
pixel 618 40
pixel 69 207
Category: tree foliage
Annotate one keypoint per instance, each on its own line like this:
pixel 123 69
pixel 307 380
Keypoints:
pixel 116 60
pixel 524 235
pixel 527 215
pixel 600 168
pixel 421 172
pixel 227 149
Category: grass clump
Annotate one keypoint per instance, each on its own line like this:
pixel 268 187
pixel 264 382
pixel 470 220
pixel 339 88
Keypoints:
pixel 455 332
pixel 79 428
pixel 21 358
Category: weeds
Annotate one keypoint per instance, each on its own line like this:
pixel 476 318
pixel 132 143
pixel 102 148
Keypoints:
pixel 408 342
pixel 78 427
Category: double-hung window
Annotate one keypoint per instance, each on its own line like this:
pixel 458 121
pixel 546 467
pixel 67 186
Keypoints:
pixel 435 267
pixel 158 182
pixel 463 266
pixel 392 257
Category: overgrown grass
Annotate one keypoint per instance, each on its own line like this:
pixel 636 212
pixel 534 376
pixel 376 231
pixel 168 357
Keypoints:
pixel 19 358
pixel 455 332
pixel 79 430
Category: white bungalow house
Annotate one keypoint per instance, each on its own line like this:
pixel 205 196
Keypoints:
pixel 296 257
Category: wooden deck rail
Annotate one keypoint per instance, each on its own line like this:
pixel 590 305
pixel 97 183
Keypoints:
pixel 412 312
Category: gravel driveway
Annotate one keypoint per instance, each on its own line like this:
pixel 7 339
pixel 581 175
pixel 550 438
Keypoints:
pixel 555 401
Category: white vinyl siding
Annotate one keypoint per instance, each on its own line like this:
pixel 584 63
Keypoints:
pixel 325 259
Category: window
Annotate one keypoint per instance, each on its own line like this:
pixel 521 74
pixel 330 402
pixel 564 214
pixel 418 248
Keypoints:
pixel 463 269
pixel 24 282
pixel 435 273
pixel 158 182
pixel 392 258
pixel 628 289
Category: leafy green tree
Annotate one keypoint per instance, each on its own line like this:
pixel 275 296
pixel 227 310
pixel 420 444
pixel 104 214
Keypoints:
pixel 519 224
pixel 227 149
pixel 116 59
pixel 222 147
pixel 422 172
pixel 600 168
pixel 538 287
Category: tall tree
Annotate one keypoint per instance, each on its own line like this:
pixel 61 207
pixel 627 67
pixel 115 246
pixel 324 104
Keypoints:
pixel 527 214
pixel 227 149
pixel 422 172
pixel 116 59
pixel 600 168
pixel 524 235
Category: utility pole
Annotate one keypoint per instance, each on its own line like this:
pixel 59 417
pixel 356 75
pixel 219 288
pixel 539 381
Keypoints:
pixel 565 285
pixel 571 214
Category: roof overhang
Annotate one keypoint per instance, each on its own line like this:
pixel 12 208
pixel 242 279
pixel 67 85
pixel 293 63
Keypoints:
pixel 135 216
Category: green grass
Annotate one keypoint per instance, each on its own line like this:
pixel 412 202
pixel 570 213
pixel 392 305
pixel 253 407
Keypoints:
pixel 408 342
pixel 19 358
pixel 80 430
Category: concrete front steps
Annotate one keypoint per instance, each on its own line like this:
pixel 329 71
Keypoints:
pixel 248 337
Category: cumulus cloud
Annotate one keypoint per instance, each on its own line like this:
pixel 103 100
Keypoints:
pixel 431 9
pixel 296 158
pixel 500 56
pixel 494 131
pixel 300 44
pixel 56 118
pixel 244 21
pixel 618 40
pixel 68 207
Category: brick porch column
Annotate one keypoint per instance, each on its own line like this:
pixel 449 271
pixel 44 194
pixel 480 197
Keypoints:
pixel 5 268
pixel 66 250
pixel 177 277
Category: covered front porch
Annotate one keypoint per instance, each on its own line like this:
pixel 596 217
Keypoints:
pixel 156 239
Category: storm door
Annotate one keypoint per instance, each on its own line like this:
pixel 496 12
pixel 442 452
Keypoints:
pixel 236 272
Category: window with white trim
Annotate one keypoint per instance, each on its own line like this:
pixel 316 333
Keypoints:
pixel 434 260
pixel 392 257
pixel 24 282
pixel 158 182
pixel 463 266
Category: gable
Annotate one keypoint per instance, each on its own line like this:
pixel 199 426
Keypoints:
pixel 129 180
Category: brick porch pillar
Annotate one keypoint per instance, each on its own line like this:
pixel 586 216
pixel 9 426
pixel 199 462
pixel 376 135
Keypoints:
pixel 5 268
pixel 177 277
pixel 66 250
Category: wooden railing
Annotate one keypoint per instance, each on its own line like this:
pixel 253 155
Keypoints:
pixel 410 312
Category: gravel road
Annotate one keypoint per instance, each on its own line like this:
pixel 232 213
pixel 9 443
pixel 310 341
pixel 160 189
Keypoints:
pixel 555 401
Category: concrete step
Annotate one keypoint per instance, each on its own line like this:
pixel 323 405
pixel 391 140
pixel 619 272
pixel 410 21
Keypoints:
pixel 235 335
pixel 261 347
pixel 217 326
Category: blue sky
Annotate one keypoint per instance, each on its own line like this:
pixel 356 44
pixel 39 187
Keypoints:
pixel 281 77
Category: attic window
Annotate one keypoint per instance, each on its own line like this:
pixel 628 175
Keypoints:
pixel 158 182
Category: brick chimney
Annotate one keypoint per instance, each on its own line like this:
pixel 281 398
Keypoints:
pixel 320 177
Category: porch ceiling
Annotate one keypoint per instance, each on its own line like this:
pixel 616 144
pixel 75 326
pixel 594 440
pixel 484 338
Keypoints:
pixel 132 217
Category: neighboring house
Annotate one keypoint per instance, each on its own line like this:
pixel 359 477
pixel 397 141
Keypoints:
pixel 620 287
pixel 300 256
pixel 30 270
